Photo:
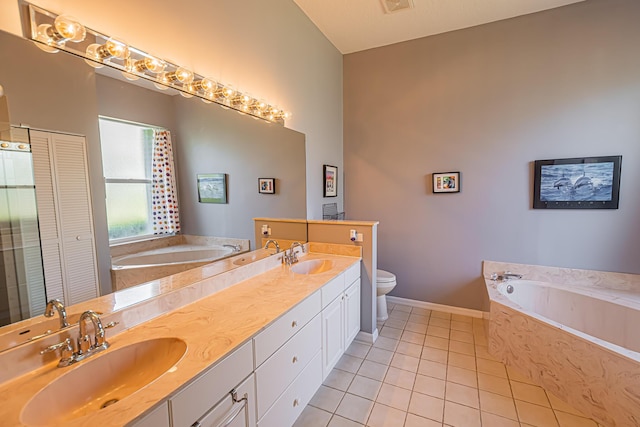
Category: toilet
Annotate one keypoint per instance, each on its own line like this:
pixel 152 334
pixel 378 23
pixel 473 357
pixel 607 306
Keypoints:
pixel 384 284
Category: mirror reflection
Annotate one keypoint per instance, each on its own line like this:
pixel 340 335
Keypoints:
pixel 60 99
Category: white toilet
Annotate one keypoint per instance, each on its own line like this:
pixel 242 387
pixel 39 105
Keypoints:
pixel 384 284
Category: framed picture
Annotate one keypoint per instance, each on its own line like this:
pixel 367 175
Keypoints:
pixel 577 183
pixel 267 185
pixel 446 182
pixel 330 180
pixel 212 188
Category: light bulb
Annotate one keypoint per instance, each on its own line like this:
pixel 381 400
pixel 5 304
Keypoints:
pixel 286 115
pixel 260 105
pixel 162 82
pixel 181 75
pixel 149 63
pixel 111 49
pixel 205 85
pixel 189 88
pixel 42 36
pixel 69 28
pixel 228 92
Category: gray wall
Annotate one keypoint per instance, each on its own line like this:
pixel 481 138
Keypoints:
pixel 488 101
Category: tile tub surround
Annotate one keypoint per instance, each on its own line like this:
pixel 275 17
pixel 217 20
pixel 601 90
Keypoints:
pixel 455 381
pixel 211 326
pixel 598 378
pixel 131 276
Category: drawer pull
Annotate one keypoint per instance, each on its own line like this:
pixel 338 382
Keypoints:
pixel 295 402
pixel 234 412
pixel 294 323
pixel 295 359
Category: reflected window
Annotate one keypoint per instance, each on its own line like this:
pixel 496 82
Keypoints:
pixel 127 160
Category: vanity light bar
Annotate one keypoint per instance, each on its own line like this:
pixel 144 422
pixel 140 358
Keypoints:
pixel 52 33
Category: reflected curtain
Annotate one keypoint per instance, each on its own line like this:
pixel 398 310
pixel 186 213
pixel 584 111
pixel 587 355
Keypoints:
pixel 166 217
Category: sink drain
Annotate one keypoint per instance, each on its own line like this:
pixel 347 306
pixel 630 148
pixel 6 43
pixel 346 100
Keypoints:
pixel 108 403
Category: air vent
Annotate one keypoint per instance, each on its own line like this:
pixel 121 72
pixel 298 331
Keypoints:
pixel 391 6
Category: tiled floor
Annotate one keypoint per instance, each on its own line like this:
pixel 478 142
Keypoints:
pixel 431 369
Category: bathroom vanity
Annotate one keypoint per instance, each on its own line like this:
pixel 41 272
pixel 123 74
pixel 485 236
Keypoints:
pixel 255 353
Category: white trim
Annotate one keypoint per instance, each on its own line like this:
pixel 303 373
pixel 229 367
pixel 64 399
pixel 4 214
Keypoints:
pixel 439 307
pixel 367 337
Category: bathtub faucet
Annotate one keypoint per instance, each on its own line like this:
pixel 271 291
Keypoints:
pixel 275 243
pixel 507 275
pixel 57 305
pixel 236 248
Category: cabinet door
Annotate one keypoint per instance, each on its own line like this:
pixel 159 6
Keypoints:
pixel 352 313
pixel 332 335
pixel 159 417
pixel 230 413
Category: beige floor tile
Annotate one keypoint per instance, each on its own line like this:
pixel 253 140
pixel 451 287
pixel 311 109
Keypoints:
pixel 408 363
pixel 421 328
pixel 461 326
pixel 313 417
pixel 421 311
pixel 380 355
pixel 492 420
pixel 461 336
pixel 436 342
pixel 441 314
pixel 570 420
pixel 410 349
pixel 462 376
pixel 462 347
pixel 358 349
pixel 395 323
pixel 417 318
pixel 416 421
pixel 480 339
pixel 432 369
pixel 389 332
pixel 338 421
pixel 535 415
pixel 439 322
pixel 498 405
pixel 435 354
pixel 395 397
pixel 462 394
pixel 426 406
pixel 430 386
pixel 400 378
pixel 494 384
pixel 491 367
pixel 385 416
pixel 560 405
pixel 457 415
pixel 436 331
pixel 386 343
pixel 355 408
pixel 339 379
pixel 462 361
pixel 390 306
pixel 400 315
pixel 516 375
pixel 462 318
pixel 365 387
pixel 373 370
pixel 529 393
pixel 404 308
pixel 349 363
pixel 482 352
pixel 327 398
pixel 412 337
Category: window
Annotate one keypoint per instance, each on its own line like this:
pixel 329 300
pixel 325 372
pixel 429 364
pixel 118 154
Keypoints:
pixel 128 164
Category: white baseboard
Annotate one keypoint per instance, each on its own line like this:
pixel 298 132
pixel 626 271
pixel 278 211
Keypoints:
pixel 367 337
pixel 438 307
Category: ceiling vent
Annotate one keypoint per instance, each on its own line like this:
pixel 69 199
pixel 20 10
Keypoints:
pixel 392 6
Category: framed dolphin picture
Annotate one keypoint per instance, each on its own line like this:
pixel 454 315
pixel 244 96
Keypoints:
pixel 577 183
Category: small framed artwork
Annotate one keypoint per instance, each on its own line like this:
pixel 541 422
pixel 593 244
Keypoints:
pixel 577 183
pixel 330 180
pixel 267 185
pixel 446 182
pixel 212 188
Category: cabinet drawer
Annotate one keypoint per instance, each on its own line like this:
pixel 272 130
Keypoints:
pixel 351 274
pixel 291 403
pixel 272 338
pixel 198 397
pixel 159 417
pixel 275 375
pixel 234 414
pixel 332 289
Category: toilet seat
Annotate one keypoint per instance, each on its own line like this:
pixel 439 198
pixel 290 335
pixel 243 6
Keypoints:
pixel 385 277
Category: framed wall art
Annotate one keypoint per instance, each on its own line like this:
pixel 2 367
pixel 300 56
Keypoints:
pixel 266 185
pixel 330 174
pixel 577 183
pixel 446 182
pixel 212 188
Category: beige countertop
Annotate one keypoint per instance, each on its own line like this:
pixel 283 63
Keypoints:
pixel 211 327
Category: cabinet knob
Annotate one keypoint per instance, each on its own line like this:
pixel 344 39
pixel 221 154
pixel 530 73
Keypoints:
pixel 295 402
pixel 294 324
pixel 295 359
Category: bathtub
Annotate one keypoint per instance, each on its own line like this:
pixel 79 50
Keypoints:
pixel 579 341
pixel 172 255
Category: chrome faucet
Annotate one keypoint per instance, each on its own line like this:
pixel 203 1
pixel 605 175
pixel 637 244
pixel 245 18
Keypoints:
pixel 507 275
pixel 275 243
pixel 57 305
pixel 236 248
pixel 83 347
pixel 292 257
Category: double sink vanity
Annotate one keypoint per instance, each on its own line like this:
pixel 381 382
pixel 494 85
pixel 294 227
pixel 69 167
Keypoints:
pixel 248 346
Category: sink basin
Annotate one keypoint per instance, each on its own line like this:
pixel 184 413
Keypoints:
pixel 102 381
pixel 312 266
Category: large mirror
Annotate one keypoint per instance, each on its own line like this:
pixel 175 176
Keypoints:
pixel 61 93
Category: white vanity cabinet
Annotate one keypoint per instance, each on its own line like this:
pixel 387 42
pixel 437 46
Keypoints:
pixel 340 316
pixel 159 417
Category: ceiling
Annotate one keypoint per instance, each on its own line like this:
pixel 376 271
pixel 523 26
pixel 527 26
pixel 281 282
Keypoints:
pixel 355 25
